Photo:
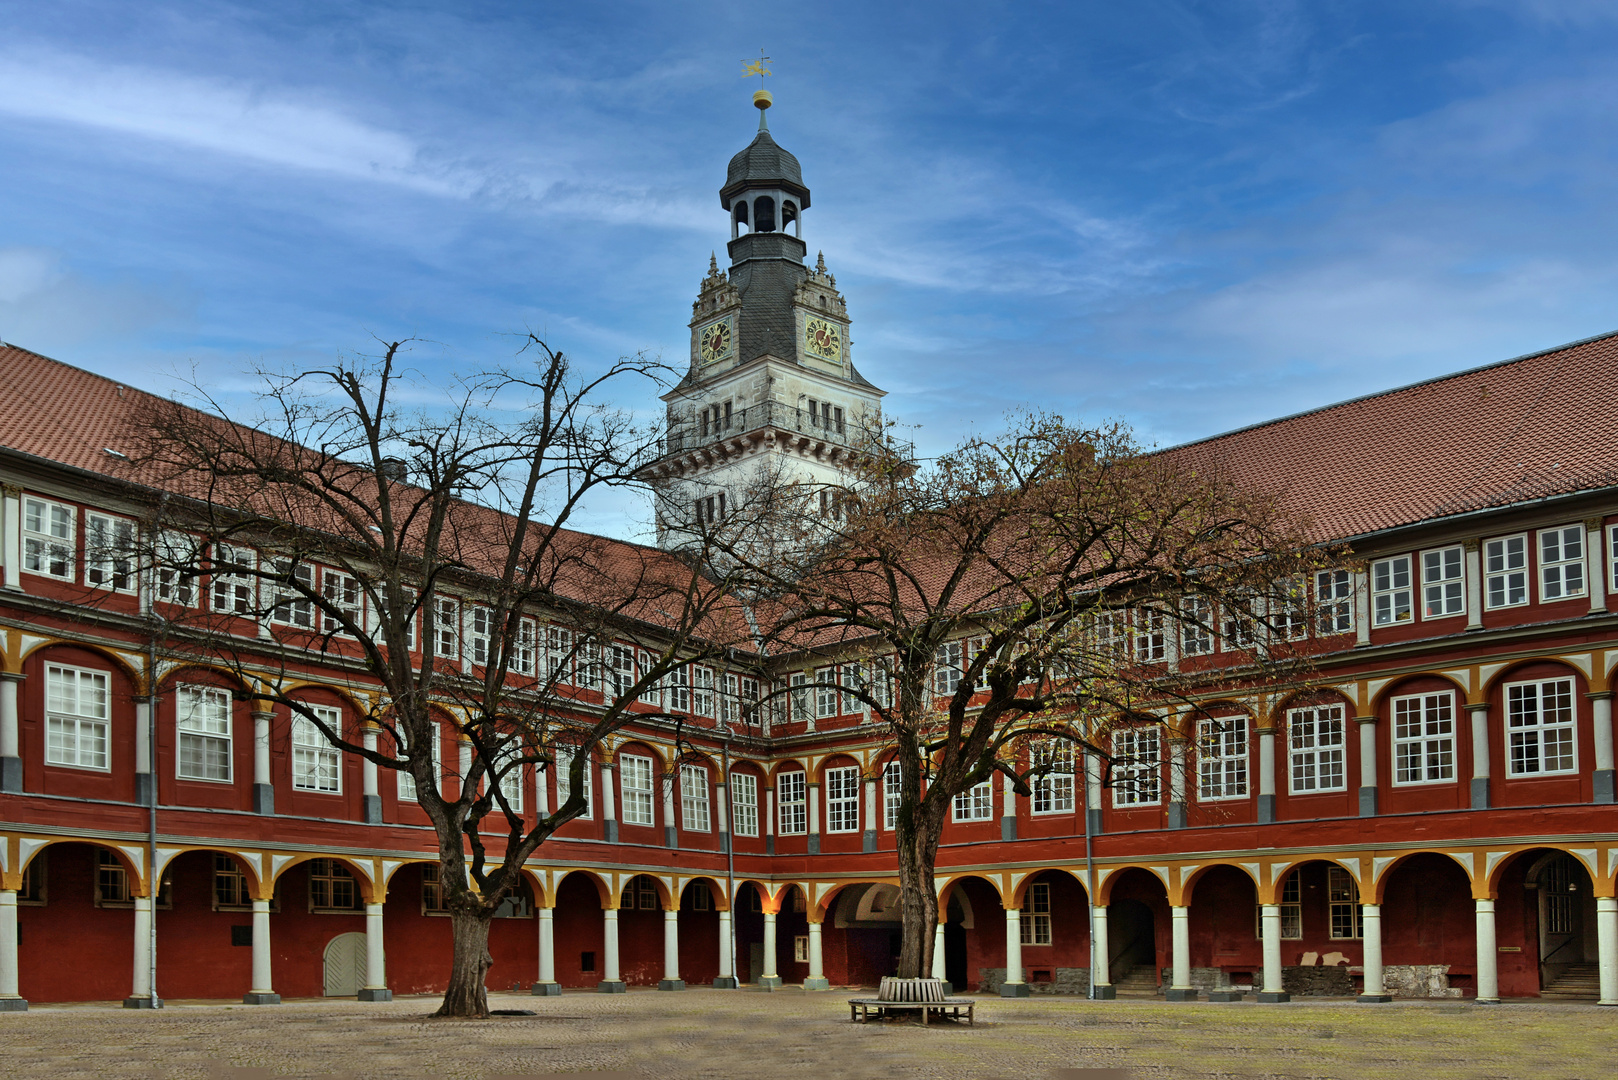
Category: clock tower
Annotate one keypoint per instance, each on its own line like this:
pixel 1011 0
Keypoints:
pixel 771 396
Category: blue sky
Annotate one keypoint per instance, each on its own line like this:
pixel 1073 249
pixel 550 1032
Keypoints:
pixel 1190 216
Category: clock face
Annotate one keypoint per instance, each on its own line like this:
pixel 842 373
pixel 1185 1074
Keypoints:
pixel 713 343
pixel 823 339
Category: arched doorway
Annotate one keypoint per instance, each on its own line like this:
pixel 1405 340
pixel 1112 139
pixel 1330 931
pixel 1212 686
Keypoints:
pixel 1566 916
pixel 957 921
pixel 1137 901
pixel 343 965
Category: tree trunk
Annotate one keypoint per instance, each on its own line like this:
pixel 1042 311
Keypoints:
pixel 466 996
pixel 917 838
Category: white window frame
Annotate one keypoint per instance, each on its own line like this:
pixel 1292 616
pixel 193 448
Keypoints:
pixel 511 782
pixel 228 593
pixel 976 803
pixel 1531 738
pixel 1343 910
pixel 1035 918
pixel 730 698
pixel 479 631
pixel 1612 558
pixel 405 785
pixel 446 628
pixel 525 656
pixel 341 591
pixel 1423 738
pixel 621 676
pixel 1053 792
pixel 852 676
pixel 678 684
pixel 637 789
pixel 1443 582
pixel 558 654
pixel 1317 749
pixel 702 691
pixel 49 536
pixel 69 725
pixel 587 665
pixel 743 789
pixel 288 607
pixel 653 694
pixel 1334 602
pixel 175 553
pixel 1561 575
pixel 826 693
pixel 947 669
pixel 801 698
pixel 110 563
pixel 892 794
pixel 694 815
pixel 1137 767
pixel 316 763
pixel 1196 626
pixel 1291 907
pixel 194 727
pixel 1151 635
pixel 1505 571
pixel 843 799
pixel 791 803
pixel 1222 758
pixel 1393 591
pixel 564 756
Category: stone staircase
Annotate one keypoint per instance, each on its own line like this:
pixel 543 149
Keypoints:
pixel 1138 982
pixel 1576 982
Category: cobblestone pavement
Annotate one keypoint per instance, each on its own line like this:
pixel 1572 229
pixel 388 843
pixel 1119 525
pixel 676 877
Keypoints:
pixel 739 1035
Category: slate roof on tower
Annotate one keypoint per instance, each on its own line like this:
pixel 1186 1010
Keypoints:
pixel 763 163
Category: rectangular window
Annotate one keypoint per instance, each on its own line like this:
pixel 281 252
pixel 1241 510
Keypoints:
pixel 47 538
pixel 1292 907
pixel 645 893
pixel 1540 725
pixel 33 890
pixel 295 580
pixel 1334 602
pixel 331 886
pixel 1344 897
pixel 825 693
pixel 653 694
pixel 635 783
pixel 748 696
pixel 679 687
pixel 1136 767
pixel 587 665
pixel 407 782
pixel 1612 558
pixel 1109 630
pixel 974 804
pixel 1443 593
pixel 790 809
pixel 702 691
pixel 564 779
pixel 109 552
pixel 1053 792
pixel 843 800
pixel 621 675
pixel 1151 635
pixel 229 884
pixel 232 580
pixel 112 880
pixel 1424 738
pixel 432 889
pixel 1561 563
pixel 1222 758
pixel 1196 626
pixel 1505 571
pixel 1316 738
pixel 800 949
pixel 175 561
pixel 315 761
pixel 947 668
pixel 1289 609
pixel 1036 915
pixel 524 658
pixel 77 716
pixel 446 627
pixel 558 654
pixel 204 733
pixel 730 698
pixel 342 592
pixel 479 629
pixel 892 794
pixel 1390 591
pixel 694 798
pixel 701 898
pixel 509 763
pixel 802 698
pixel 852 677
pixel 744 804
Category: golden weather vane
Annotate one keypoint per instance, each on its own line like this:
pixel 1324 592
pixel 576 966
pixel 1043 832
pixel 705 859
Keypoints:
pixel 759 67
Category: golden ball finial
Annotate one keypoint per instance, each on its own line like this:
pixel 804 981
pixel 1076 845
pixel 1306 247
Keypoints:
pixel 762 99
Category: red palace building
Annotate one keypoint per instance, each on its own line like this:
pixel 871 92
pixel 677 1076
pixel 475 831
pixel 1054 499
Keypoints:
pixel 1431 817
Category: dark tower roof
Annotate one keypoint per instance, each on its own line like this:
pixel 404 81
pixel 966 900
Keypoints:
pixel 763 164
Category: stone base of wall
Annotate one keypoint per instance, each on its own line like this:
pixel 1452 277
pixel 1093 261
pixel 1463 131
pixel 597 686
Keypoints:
pixel 1317 981
pixel 1066 981
pixel 1419 981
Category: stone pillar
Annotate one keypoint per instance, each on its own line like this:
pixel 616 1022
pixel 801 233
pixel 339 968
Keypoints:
pixel 1367 726
pixel 871 819
pixel 1180 988
pixel 1176 781
pixel 1008 809
pixel 1474 585
pixel 463 764
pixel 722 809
pixel 1270 923
pixel 769 820
pixel 727 958
pixel 1362 609
pixel 938 950
pixel 376 958
pixel 1601 725
pixel 671 835
pixel 1606 949
pixel 143 751
pixel 609 804
pixel 371 799
pixel 1266 774
pixel 140 992
pixel 1100 961
pixel 263 989
pixel 611 982
pixel 11 536
pixel 547 986
pixel 263 789
pixel 1480 755
pixel 1092 792
pixel 1014 985
pixel 1595 571
pixel 1488 956
pixel 10 1001
pixel 1375 991
pixel 770 978
pixel 671 952
pixel 814 818
pixel 817 970
pixel 10 741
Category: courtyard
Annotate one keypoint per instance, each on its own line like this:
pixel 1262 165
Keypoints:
pixel 790 1033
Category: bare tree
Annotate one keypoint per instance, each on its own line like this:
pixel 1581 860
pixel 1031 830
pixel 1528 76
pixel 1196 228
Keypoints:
pixel 1022 592
pixel 316 543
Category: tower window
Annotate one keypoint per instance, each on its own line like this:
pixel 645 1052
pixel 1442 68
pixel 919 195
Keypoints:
pixel 715 418
pixel 763 214
pixel 823 414
pixel 740 218
pixel 711 509
pixel 789 213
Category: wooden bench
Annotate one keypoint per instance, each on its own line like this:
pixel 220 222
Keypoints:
pixel 925 996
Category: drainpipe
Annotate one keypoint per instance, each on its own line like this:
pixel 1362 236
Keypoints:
pixel 730 854
pixel 156 880
pixel 1089 873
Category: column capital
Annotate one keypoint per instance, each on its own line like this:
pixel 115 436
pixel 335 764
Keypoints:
pixel 1474 544
pixel 12 676
pixel 1477 706
pixel 1594 695
pixel 10 491
pixel 265 714
pixel 1365 719
pixel 1594 523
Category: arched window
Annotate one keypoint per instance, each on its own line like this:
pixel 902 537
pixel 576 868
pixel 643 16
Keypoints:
pixel 739 217
pixel 763 214
pixel 789 213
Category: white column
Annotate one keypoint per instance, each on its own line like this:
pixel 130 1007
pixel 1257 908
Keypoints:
pixel 1270 922
pixel 368 767
pixel 671 952
pixel 938 950
pixel 1601 728
pixel 1093 789
pixel 1595 570
pixel 1474 586
pixel 1177 808
pixel 610 980
pixel 1371 918
pixel 872 821
pixel 1266 775
pixel 817 972
pixel 771 976
pixel 263 988
pixel 769 818
pixel 1368 790
pixel 721 805
pixel 141 985
pixel 1480 755
pixel 814 818
pixel 376 958
pixel 1362 609
pixel 669 821
pixel 1180 988
pixel 143 734
pixel 1100 958
pixel 727 958
pixel 11 535
pixel 1488 957
pixel 463 763
pixel 609 802
pixel 1014 985
pixel 547 985
pixel 10 1001
pixel 263 790
pixel 10 741
pixel 1606 948
pixel 1008 797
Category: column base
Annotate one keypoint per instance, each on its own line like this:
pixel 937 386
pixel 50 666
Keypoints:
pixel 671 838
pixel 546 989
pixel 869 844
pixel 1480 792
pixel 609 831
pixel 1367 802
pixel 15 1004
pixel 1176 815
pixel 671 984
pixel 11 782
pixel 814 843
pixel 1274 997
pixel 724 843
pixel 1094 816
pixel 371 809
pixel 265 998
pixel 1017 989
pixel 1485 1001
pixel 374 993
pixel 724 982
pixel 769 845
pixel 769 982
pixel 1266 809
pixel 1104 992
pixel 1375 999
pixel 1180 993
pixel 263 799
pixel 1601 785
pixel 142 1003
pixel 1008 828
pixel 1226 995
pixel 143 788
pixel 817 983
pixel 616 986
